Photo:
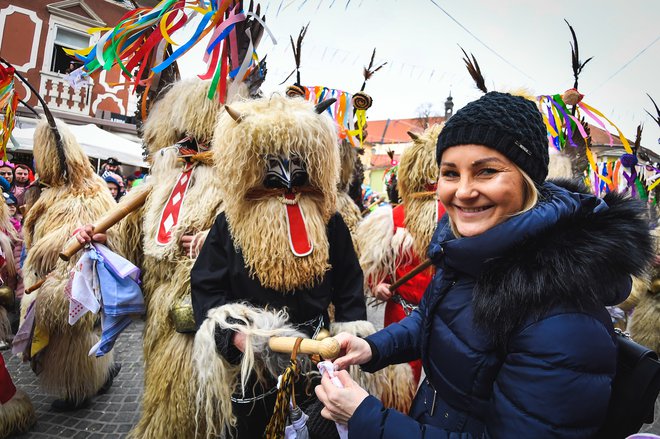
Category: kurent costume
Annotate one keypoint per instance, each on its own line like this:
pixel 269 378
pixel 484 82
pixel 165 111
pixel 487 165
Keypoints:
pixel 184 199
pixel 16 410
pixel 395 241
pixel 513 331
pixel 279 242
pixel 10 273
pixel 72 197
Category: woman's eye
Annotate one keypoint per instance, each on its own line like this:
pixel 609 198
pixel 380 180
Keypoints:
pixel 449 174
pixel 488 171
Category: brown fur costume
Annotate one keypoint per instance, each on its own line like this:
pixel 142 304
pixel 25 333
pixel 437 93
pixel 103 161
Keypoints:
pixel 282 126
pixel 645 320
pixel 168 409
pixel 9 272
pixel 346 207
pixel 66 204
pixel 383 249
pixel 17 415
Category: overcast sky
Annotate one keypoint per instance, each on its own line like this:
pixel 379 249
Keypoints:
pixel 528 45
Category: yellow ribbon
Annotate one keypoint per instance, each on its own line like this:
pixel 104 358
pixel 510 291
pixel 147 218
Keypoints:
pixel 623 139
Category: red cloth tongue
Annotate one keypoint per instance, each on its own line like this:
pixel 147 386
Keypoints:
pixel 298 238
pixel 7 388
pixel 170 215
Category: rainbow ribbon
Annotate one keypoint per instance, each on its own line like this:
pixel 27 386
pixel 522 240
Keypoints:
pixel 138 42
pixel 8 104
pixel 341 112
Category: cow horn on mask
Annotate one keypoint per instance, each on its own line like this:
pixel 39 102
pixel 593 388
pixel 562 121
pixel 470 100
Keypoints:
pixel 323 105
pixel 234 114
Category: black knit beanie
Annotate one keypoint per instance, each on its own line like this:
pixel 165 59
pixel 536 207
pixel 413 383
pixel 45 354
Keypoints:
pixel 512 125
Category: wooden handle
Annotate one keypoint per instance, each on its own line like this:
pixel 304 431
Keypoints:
pixel 110 219
pixel 326 348
pixel 414 272
pixel 36 286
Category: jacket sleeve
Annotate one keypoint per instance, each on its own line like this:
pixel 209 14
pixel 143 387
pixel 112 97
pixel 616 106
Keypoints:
pixel 399 342
pixel 372 420
pixel 551 369
pixel 209 287
pixel 347 279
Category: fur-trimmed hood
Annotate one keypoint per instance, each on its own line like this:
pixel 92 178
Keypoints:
pixel 572 250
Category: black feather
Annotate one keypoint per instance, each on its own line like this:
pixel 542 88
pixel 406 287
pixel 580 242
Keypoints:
pixel 657 110
pixel 575 57
pixel 369 71
pixel 473 68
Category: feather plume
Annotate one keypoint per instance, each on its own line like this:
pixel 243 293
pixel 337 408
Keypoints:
pixel 297 49
pixel 473 68
pixel 638 137
pixel 369 71
pixel 575 57
pixel 657 110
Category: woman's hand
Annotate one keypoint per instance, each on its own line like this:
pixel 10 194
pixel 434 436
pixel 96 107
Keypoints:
pixel 239 341
pixel 382 292
pixel 86 235
pixel 354 350
pixel 340 404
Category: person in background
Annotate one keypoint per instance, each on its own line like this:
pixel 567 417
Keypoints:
pixel 111 165
pixel 7 171
pixel 129 182
pixel 115 185
pixel 23 176
pixel 12 207
pixel 513 332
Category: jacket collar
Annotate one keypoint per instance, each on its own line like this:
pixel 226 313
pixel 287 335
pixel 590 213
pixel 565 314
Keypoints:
pixel 469 255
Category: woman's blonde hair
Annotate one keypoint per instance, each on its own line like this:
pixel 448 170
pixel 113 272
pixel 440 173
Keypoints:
pixel 531 198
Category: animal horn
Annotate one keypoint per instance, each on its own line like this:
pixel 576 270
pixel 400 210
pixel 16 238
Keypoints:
pixel 323 105
pixel 234 114
pixel 412 135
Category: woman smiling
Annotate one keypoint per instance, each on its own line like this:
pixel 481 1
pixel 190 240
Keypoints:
pixel 513 333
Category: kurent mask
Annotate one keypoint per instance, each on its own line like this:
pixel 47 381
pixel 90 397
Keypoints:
pixel 284 172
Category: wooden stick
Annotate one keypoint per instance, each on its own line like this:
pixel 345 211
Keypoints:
pixel 375 203
pixel 327 348
pixel 412 273
pixel 109 220
pixel 36 286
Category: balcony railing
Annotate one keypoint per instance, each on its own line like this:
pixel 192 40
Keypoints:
pixel 59 95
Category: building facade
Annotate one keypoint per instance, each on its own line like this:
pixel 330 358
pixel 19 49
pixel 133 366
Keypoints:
pixel 33 36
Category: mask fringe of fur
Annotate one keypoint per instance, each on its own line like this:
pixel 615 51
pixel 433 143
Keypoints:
pixel 218 380
pixel 393 385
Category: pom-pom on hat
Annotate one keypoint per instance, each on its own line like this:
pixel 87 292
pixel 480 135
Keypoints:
pixel 510 124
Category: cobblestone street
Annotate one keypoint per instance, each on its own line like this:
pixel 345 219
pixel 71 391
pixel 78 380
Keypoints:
pixel 111 416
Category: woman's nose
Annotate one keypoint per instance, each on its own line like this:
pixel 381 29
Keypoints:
pixel 465 189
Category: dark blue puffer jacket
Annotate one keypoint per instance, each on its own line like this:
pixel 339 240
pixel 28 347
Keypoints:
pixel 512 332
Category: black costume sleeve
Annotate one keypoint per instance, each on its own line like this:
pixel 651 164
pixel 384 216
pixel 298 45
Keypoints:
pixel 209 284
pixel 347 277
